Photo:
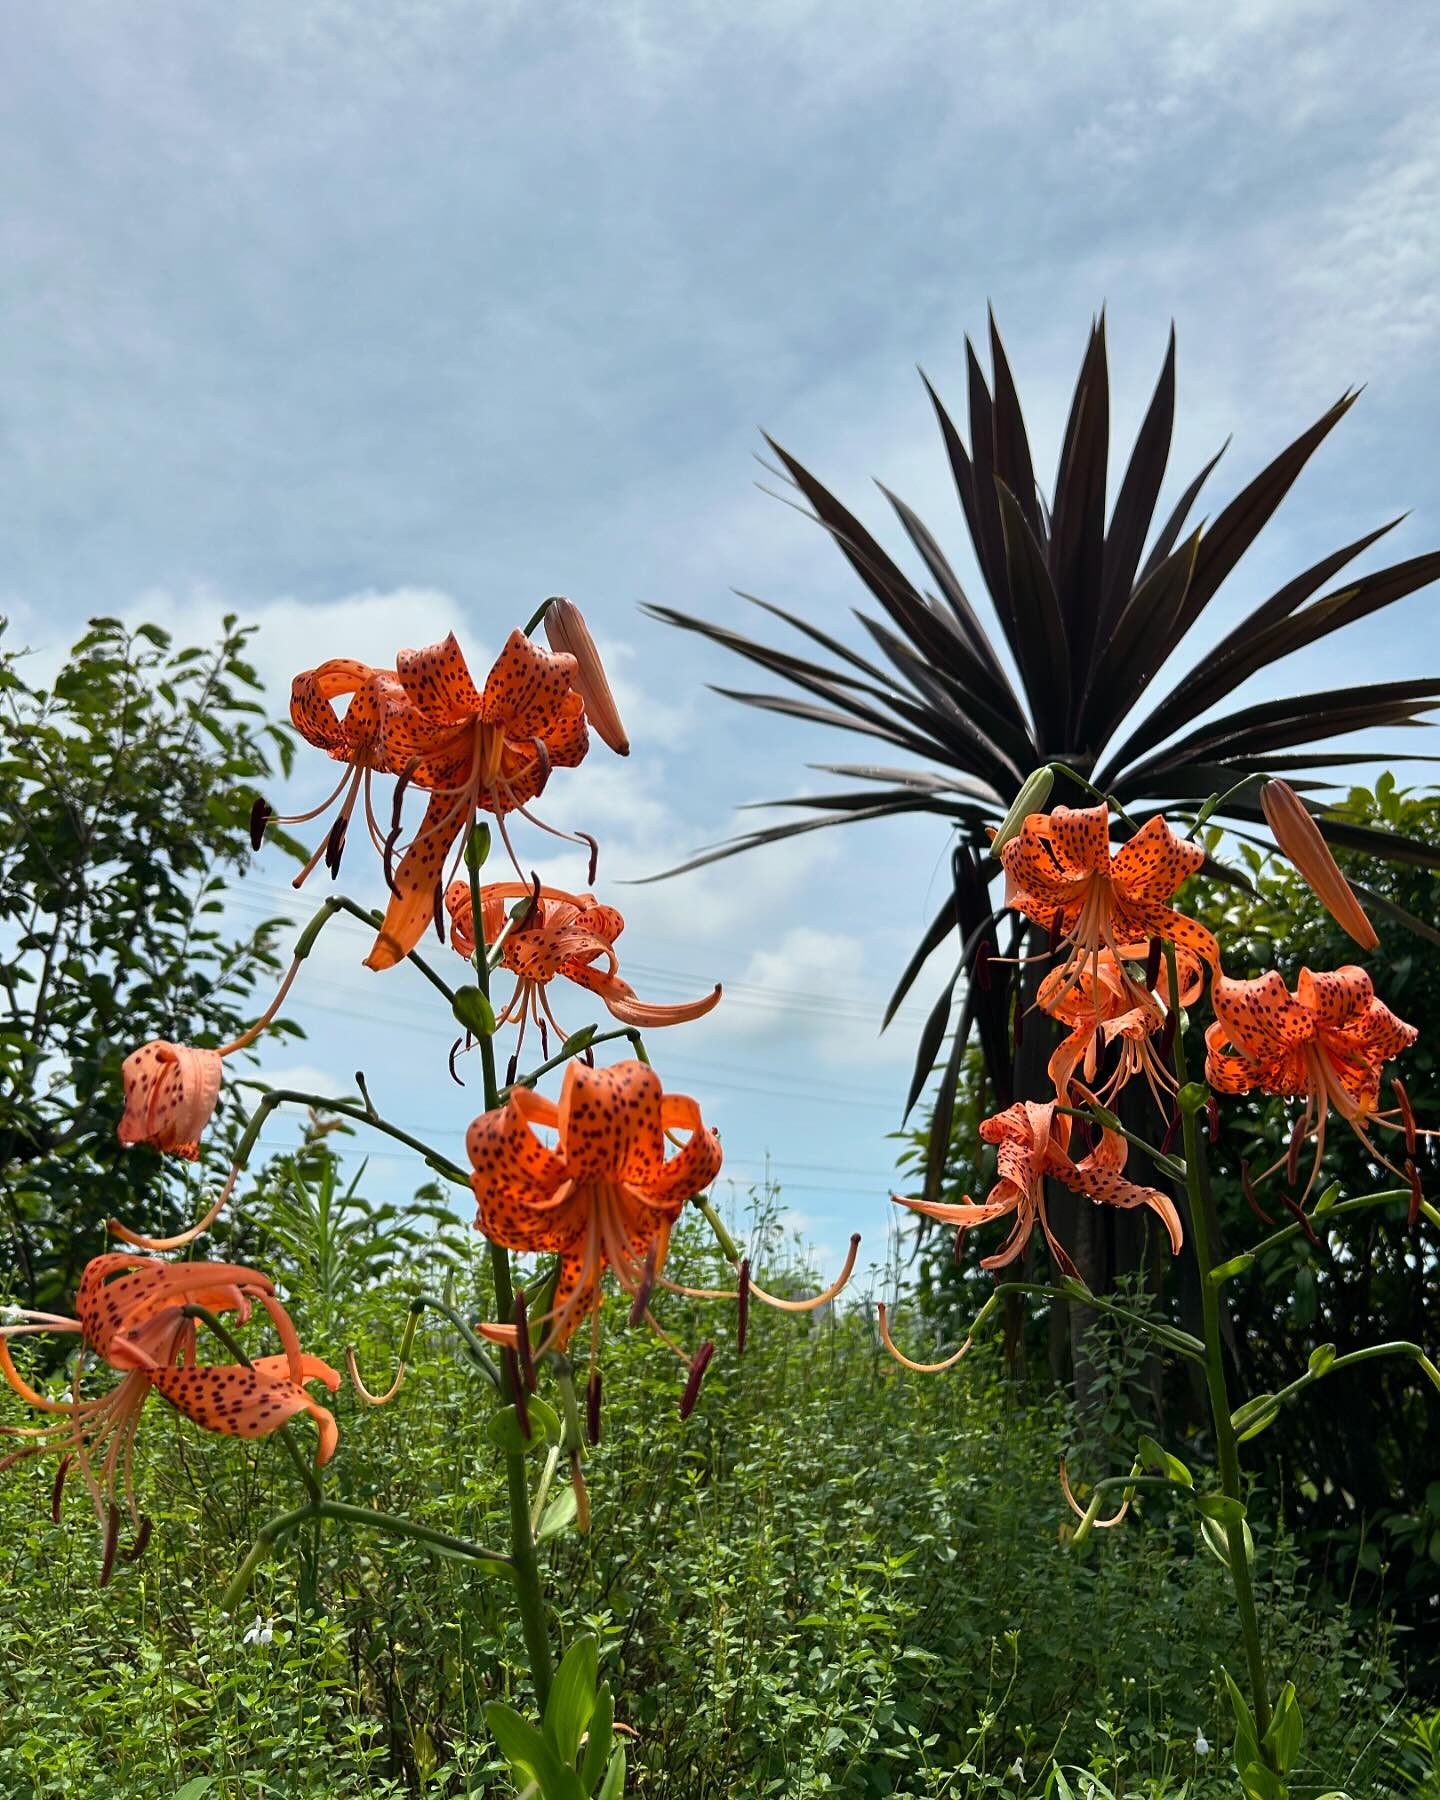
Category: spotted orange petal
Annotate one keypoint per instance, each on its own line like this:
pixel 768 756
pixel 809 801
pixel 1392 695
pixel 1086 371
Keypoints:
pixel 170 1094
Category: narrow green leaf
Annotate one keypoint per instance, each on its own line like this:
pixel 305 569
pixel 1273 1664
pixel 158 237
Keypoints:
pixel 572 1697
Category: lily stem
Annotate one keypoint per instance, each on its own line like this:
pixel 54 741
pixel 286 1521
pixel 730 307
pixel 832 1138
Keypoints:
pixel 1193 1100
pixel 529 1595
pixel 274 1097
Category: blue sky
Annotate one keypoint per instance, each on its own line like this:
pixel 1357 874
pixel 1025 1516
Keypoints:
pixel 367 322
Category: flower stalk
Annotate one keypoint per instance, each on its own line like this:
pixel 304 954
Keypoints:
pixel 1194 1098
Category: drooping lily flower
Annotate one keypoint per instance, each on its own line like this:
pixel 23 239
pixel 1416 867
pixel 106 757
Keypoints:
pixel 1104 1003
pixel 1300 840
pixel 606 1196
pixel 131 1316
pixel 566 630
pixel 170 1094
pixel 355 739
pixel 1033 1141
pixel 171 1090
pixel 564 935
pixel 1326 1044
pixel 1059 872
pixel 473 751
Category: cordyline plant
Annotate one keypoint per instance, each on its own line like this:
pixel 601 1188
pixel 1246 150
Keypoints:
pixel 626 1158
pixel 1093 604
pixel 1123 968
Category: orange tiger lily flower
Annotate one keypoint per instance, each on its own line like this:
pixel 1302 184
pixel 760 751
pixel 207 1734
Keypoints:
pixel 565 934
pixel 355 738
pixel 1059 871
pixel 605 1196
pixel 489 750
pixel 1033 1140
pixel 1104 1003
pixel 131 1316
pixel 1326 1044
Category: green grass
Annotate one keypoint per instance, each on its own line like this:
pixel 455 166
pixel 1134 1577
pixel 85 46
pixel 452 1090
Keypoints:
pixel 835 1579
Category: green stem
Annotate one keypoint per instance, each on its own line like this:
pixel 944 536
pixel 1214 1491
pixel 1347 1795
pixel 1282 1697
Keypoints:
pixel 563 1056
pixel 1362 1204
pixel 529 1595
pixel 274 1097
pixel 1197 1180
pixel 292 1449
pixel 267 1538
pixel 478 1353
pixel 1099 793
pixel 401 1527
pixel 1107 1120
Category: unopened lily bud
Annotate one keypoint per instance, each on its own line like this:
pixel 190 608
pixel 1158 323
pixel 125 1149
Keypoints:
pixel 1299 838
pixel 566 631
pixel 1031 799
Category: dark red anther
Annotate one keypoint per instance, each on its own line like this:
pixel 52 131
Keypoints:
pixel 1019 1019
pixel 1304 1223
pixel 980 969
pixel 1212 1118
pixel 455 1050
pixel 647 1283
pixel 592 1408
pixel 1416 1196
pixel 699 1363
pixel 544 1039
pixel 335 845
pixel 388 860
pixel 587 1056
pixel 440 910
pixel 517 1388
pixel 1247 1189
pixel 1054 934
pixel 512 1068
pixel 112 1538
pixel 142 1540
pixel 742 1311
pixel 1292 1155
pixel 585 838
pixel 1172 1132
pixel 1407 1116
pixel 400 787
pixel 260 817
pixel 522 1342
pixel 59 1487
pixel 1152 965
pixel 1167 1035
pixel 532 914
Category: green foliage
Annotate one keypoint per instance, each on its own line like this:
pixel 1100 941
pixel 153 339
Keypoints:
pixel 833 1579
pixel 121 788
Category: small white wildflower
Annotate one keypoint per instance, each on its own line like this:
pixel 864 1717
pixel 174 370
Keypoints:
pixel 261 1632
pixel 1017 1769
pixel 1202 1746
pixel 10 1314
